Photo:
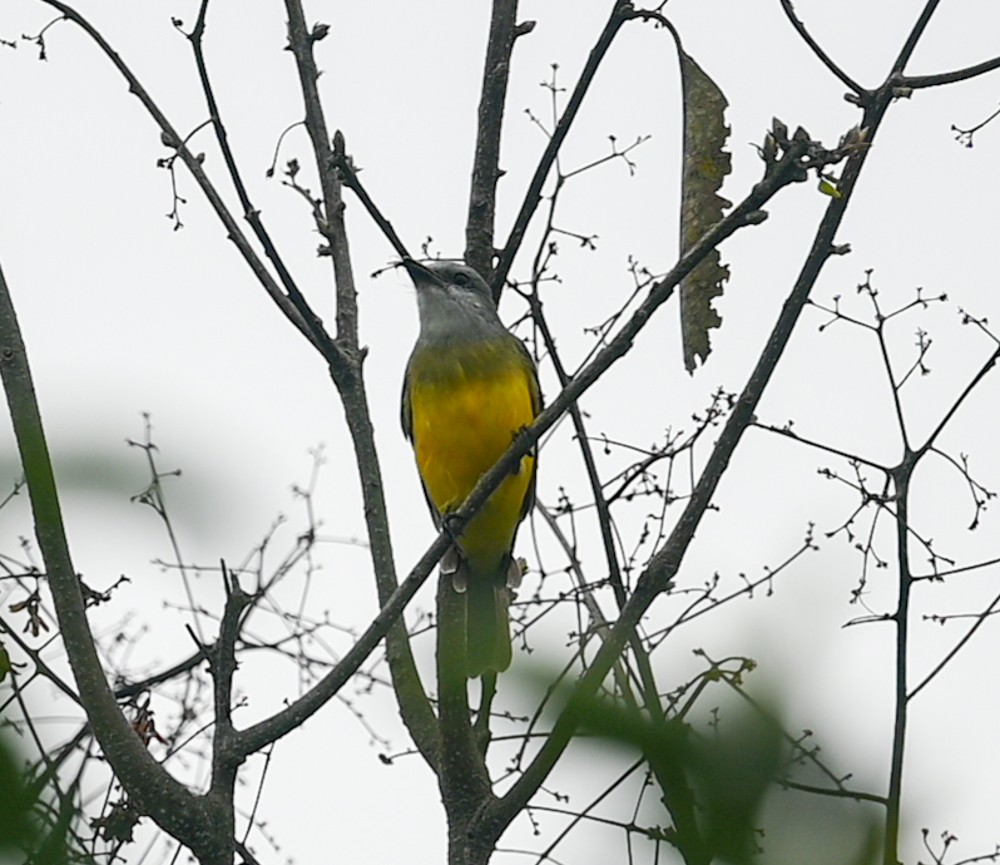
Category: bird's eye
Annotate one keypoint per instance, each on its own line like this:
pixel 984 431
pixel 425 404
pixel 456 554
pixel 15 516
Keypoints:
pixel 460 279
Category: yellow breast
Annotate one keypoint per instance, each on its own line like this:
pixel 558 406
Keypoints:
pixel 467 406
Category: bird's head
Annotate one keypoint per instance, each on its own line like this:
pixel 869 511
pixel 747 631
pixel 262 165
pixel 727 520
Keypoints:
pixel 450 281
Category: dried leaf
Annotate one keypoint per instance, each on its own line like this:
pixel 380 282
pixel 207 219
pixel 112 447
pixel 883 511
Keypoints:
pixel 706 163
pixel 32 606
pixel 117 823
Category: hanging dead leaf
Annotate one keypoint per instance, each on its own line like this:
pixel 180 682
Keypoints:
pixel 706 164
pixel 32 607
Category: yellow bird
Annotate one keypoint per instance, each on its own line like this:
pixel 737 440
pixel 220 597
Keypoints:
pixel 470 387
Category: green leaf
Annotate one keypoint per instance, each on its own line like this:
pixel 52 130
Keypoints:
pixel 16 825
pixel 827 188
pixel 5 663
pixel 706 164
pixel 714 787
pixel 20 830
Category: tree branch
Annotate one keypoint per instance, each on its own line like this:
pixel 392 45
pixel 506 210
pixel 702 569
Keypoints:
pixel 620 13
pixel 906 52
pixel 192 820
pixel 351 180
pixel 226 756
pixel 821 55
pixel 901 479
pixel 982 617
pixel 301 41
pixel 307 324
pixel 479 225
pixel 665 564
pixel 265 732
pixel 413 703
pixel 250 213
pixel 919 81
pixel 990 363
pixel 462 776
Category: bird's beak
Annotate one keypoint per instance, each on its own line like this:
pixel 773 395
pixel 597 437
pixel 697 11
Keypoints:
pixel 419 274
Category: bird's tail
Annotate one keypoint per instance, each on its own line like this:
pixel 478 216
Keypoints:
pixel 487 624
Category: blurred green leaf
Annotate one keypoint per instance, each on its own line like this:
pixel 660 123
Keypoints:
pixel 5 664
pixel 714 787
pixel 722 787
pixel 94 471
pixel 733 773
pixel 16 826
pixel 20 831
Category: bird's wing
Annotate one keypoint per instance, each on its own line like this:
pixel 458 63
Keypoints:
pixel 536 407
pixel 405 406
pixel 406 420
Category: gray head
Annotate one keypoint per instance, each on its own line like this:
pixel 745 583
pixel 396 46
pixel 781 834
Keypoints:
pixel 452 298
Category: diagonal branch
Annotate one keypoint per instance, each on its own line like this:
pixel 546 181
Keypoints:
pixel 250 213
pixel 413 704
pixel 982 617
pixel 621 12
pixel 824 58
pixel 265 732
pixel 351 180
pixel 984 370
pixel 906 52
pixel 787 433
pixel 188 818
pixel 665 564
pixel 303 319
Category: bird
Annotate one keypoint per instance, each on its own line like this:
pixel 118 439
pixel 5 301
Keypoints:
pixel 470 387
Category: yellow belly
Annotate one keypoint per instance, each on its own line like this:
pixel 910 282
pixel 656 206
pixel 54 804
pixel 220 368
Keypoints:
pixel 462 424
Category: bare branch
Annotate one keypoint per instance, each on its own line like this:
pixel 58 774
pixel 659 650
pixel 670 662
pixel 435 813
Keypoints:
pixel 301 41
pixel 312 330
pixel 990 363
pixel 250 213
pixel 620 13
pixel 918 81
pixel 486 164
pixel 191 819
pixel 351 180
pixel 413 703
pixel 664 565
pixel 906 52
pixel 982 617
pixel 822 56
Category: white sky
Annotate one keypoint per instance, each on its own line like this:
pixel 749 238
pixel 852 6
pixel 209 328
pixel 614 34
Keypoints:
pixel 122 315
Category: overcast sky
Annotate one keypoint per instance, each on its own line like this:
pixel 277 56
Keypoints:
pixel 124 315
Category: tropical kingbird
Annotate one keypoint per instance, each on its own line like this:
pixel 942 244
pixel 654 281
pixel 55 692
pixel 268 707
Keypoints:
pixel 470 387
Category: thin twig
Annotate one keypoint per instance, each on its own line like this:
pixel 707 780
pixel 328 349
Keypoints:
pixel 824 58
pixel 414 706
pixel 250 213
pixel 982 617
pixel 620 13
pixel 322 343
pixel 164 798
